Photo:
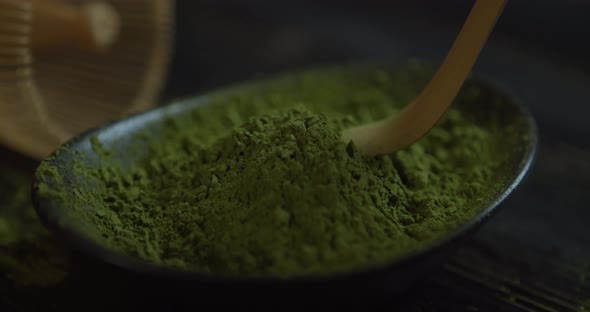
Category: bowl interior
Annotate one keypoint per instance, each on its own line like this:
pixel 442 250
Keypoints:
pixel 58 182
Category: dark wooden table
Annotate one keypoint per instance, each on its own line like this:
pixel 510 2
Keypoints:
pixel 533 256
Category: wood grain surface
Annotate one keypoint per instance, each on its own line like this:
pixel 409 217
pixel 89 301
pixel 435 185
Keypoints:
pixel 533 256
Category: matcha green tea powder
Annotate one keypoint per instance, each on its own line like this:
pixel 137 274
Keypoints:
pixel 260 183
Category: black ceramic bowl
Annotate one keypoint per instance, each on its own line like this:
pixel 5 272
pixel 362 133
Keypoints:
pixel 370 281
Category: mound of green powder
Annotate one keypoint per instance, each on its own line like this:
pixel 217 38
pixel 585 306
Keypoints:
pixel 260 183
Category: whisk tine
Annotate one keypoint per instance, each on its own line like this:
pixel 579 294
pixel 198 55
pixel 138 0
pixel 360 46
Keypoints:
pixel 15 75
pixel 13 40
pixel 11 16
pixel 24 60
pixel 13 51
pixel 16 28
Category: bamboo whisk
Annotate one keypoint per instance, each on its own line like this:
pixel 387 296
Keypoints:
pixel 69 66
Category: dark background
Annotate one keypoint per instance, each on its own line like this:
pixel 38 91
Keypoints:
pixel 224 41
pixel 535 254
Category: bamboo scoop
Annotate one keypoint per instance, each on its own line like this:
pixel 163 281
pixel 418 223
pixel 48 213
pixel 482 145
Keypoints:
pixel 417 118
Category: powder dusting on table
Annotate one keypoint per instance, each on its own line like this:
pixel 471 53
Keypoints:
pixel 29 254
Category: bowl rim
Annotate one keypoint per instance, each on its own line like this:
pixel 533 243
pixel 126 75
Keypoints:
pixel 49 213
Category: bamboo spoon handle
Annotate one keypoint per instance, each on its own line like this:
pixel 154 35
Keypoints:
pixel 417 118
pixel 57 25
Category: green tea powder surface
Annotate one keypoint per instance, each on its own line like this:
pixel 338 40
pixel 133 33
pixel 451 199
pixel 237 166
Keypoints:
pixel 260 183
